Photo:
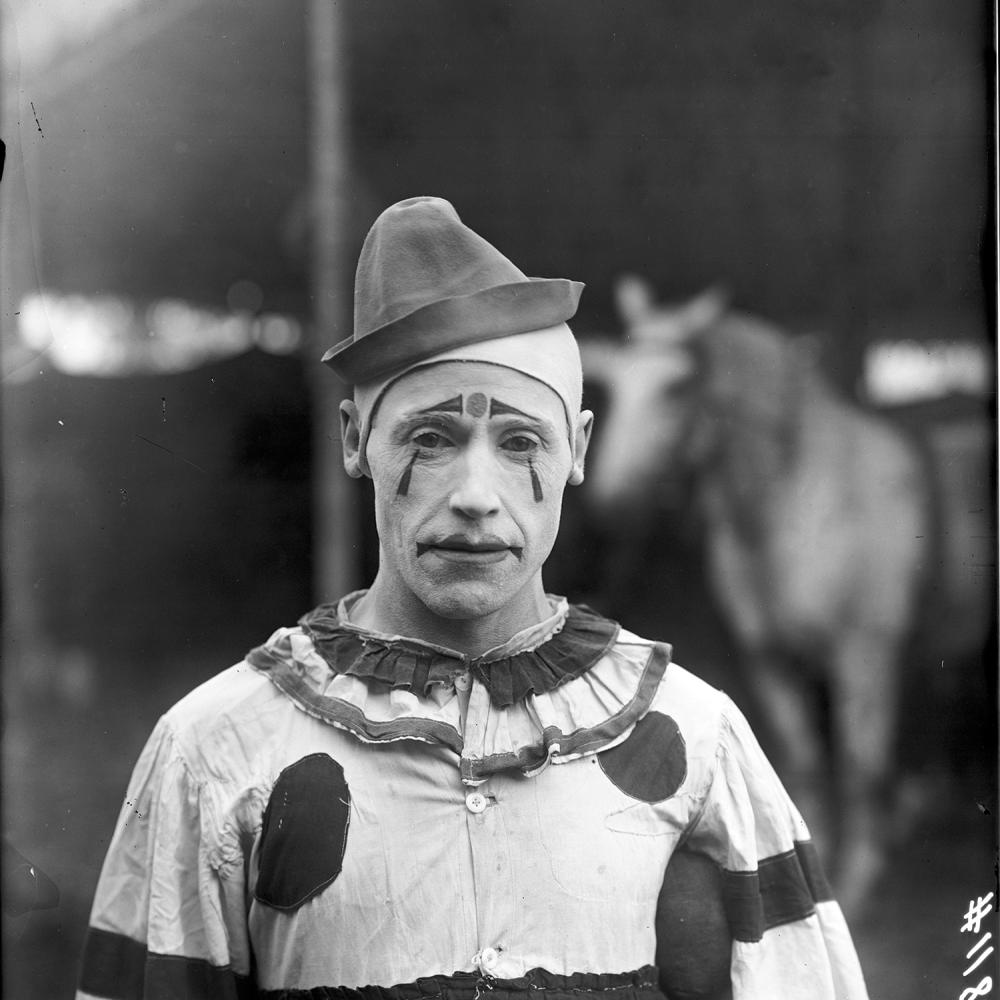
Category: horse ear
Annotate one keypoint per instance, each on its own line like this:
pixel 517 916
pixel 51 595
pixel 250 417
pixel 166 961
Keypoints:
pixel 634 298
pixel 704 309
pixel 598 355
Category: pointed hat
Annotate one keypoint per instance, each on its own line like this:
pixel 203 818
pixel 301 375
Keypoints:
pixel 427 284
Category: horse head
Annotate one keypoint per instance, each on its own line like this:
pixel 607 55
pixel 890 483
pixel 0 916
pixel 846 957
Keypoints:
pixel 694 387
pixel 651 433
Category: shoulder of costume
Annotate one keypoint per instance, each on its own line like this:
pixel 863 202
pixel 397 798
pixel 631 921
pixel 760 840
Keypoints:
pixel 221 717
pixel 696 706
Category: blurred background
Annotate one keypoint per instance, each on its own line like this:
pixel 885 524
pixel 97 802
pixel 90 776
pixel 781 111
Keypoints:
pixel 185 192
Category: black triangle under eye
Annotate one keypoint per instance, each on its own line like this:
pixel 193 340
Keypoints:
pixel 404 481
pixel 536 486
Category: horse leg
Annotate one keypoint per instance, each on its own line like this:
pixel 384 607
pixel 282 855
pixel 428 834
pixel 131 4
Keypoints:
pixel 792 736
pixel 864 714
pixel 798 746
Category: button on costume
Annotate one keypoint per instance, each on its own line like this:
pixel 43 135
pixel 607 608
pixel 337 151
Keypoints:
pixel 355 814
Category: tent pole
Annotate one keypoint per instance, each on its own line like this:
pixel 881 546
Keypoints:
pixel 336 541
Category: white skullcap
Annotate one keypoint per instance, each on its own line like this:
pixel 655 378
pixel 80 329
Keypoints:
pixel 551 356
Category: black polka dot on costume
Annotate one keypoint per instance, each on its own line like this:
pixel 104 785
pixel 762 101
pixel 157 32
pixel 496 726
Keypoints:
pixel 652 763
pixel 304 833
pixel 694 941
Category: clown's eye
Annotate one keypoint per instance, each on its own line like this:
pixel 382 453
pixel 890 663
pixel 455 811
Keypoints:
pixel 430 440
pixel 520 444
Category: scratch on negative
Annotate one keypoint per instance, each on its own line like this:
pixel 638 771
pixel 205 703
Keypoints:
pixel 169 452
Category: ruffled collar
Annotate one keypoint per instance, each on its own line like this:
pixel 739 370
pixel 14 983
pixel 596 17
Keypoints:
pixel 534 661
pixel 572 686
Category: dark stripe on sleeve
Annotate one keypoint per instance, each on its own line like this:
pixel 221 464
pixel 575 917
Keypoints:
pixel 744 906
pixel 118 968
pixel 113 965
pixel 785 888
pixel 812 868
pixel 173 977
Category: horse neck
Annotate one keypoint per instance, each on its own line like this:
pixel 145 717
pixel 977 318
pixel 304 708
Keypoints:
pixel 751 411
pixel 742 472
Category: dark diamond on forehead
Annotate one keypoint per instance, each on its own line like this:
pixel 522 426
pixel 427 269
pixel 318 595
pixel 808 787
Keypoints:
pixel 477 404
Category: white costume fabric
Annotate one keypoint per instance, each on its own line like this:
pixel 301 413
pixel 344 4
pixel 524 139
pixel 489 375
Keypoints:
pixel 345 813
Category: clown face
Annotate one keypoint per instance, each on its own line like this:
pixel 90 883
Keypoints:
pixel 469 462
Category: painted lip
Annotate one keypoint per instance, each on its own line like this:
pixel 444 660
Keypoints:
pixel 466 548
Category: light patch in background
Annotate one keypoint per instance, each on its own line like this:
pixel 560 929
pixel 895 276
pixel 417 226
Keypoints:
pixel 47 29
pixel 910 371
pixel 111 336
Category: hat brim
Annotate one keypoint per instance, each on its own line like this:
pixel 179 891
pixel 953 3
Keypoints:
pixel 501 311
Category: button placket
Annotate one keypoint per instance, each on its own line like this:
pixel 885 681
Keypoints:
pixel 496 881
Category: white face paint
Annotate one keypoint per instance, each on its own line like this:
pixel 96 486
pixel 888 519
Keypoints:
pixel 469 463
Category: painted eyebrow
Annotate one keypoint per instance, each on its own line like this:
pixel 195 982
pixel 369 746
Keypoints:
pixel 498 408
pixel 453 405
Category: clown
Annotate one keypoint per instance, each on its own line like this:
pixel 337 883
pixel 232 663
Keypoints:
pixel 453 782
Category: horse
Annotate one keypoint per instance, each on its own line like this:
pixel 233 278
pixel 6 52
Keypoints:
pixel 815 521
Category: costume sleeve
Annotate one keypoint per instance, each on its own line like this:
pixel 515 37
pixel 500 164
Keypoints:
pixel 168 918
pixel 790 939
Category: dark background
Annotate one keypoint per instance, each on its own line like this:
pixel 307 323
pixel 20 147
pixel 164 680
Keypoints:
pixel 830 163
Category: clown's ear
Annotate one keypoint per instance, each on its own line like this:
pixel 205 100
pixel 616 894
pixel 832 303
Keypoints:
pixel 581 441
pixel 350 435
